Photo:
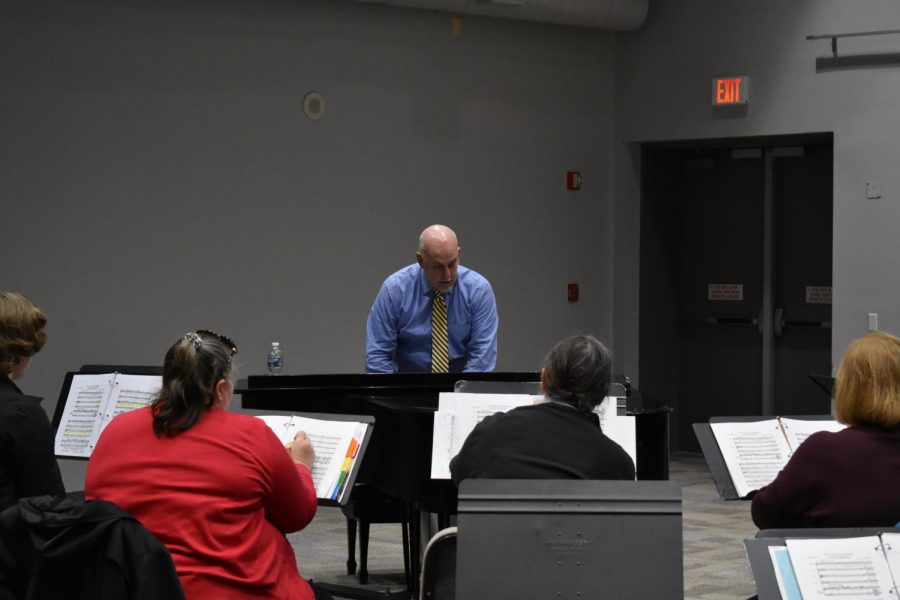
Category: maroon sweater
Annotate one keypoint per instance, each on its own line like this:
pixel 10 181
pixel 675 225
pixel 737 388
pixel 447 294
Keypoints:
pixel 846 479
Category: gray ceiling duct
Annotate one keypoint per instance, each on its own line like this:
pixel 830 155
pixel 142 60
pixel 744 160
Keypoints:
pixel 622 15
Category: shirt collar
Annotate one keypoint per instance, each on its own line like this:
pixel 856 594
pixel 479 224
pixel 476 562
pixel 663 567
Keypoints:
pixel 428 290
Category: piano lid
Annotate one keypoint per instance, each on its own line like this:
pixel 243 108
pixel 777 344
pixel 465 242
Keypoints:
pixel 375 382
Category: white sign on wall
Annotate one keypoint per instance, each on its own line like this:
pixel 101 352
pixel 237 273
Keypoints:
pixel 726 291
pixel 818 294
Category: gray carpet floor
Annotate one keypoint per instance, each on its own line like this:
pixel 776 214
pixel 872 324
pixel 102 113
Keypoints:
pixel 715 566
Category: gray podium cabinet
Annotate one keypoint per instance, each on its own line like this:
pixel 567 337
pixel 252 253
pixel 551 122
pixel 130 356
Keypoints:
pixel 542 539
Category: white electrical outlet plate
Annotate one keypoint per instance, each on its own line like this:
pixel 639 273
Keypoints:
pixel 873 321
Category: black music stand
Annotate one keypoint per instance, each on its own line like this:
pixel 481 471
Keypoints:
pixel 823 382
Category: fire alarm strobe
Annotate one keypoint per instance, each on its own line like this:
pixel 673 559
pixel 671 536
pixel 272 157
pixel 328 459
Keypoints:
pixel 573 180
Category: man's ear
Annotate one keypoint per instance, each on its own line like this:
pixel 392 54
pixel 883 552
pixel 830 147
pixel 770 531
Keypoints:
pixel 419 258
pixel 543 381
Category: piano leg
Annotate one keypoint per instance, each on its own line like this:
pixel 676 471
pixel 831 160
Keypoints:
pixel 363 551
pixel 351 546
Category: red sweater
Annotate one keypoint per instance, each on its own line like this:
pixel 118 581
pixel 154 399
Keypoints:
pixel 850 478
pixel 220 496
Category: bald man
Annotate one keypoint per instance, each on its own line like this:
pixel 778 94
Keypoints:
pixel 399 328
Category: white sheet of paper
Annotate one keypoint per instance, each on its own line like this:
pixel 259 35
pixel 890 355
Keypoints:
pixel 846 568
pixel 81 418
pixel 442 444
pixel 798 430
pixel 754 452
pixel 618 428
pixel 891 543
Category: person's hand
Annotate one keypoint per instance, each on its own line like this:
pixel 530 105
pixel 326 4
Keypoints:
pixel 301 450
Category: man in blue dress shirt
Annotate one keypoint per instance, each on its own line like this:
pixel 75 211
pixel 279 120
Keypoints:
pixel 398 332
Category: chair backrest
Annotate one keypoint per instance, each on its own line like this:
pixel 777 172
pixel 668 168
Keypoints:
pixel 59 548
pixel 498 387
pixel 439 567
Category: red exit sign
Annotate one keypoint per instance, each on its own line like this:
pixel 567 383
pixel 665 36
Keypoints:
pixel 729 91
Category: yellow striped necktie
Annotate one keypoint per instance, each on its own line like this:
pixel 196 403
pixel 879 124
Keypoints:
pixel 440 355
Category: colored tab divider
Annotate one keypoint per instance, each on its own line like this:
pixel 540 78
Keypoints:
pixel 349 459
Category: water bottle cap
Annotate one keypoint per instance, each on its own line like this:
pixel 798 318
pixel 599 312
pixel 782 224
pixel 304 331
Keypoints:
pixel 275 344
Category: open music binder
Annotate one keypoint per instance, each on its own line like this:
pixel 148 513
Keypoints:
pixel 814 564
pixel 745 453
pixel 92 397
pixel 340 441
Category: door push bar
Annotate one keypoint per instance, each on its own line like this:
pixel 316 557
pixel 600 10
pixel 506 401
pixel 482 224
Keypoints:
pixel 779 322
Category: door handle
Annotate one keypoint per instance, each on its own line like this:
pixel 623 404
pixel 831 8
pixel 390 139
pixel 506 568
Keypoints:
pixel 780 323
pixel 713 320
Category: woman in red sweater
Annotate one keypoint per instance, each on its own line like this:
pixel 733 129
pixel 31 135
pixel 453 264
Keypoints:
pixel 850 478
pixel 216 487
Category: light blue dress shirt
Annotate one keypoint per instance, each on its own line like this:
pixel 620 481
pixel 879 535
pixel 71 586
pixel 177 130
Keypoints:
pixel 398 332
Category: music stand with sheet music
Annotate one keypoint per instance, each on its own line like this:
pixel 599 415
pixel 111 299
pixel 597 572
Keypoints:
pixel 713 455
pixel 360 452
pixel 760 561
pixel 93 369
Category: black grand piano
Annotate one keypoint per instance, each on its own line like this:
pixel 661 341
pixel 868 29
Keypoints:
pixel 398 460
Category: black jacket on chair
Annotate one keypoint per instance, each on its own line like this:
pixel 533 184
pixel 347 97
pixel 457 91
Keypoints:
pixel 58 549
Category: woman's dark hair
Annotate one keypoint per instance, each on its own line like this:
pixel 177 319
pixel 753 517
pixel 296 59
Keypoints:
pixel 577 372
pixel 192 368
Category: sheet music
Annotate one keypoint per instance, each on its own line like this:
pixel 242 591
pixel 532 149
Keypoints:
pixel 619 428
pixel 754 452
pixel 890 542
pixel 797 430
pixel 335 442
pixel 133 391
pixel 457 416
pixel 81 418
pixel 845 568
pixel 93 401
pixel 459 413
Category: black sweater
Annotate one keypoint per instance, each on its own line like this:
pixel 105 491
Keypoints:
pixel 543 441
pixel 27 465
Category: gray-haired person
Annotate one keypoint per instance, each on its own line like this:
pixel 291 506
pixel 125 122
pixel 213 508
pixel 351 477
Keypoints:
pixel 556 438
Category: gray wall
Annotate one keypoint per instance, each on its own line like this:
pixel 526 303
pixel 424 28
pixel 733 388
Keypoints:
pixel 663 74
pixel 158 174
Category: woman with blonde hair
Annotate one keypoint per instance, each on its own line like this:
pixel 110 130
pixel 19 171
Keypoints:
pixel 27 465
pixel 850 478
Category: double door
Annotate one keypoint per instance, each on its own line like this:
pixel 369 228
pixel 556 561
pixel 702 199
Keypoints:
pixel 736 278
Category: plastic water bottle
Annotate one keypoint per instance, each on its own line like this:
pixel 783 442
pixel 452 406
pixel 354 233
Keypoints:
pixel 275 360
